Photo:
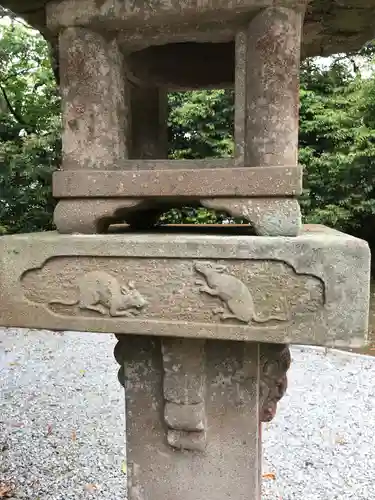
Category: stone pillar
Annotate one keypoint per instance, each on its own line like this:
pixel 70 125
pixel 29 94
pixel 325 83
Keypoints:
pixel 96 123
pixel 94 107
pixel 272 87
pixel 267 113
pixel 149 131
pixel 106 120
pixel 193 415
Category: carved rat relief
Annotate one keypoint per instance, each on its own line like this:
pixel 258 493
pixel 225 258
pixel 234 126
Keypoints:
pixel 232 291
pixel 101 292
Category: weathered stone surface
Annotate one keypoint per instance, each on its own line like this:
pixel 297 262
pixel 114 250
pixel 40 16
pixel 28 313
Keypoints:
pixel 91 215
pixel 311 289
pixel 266 130
pixel 240 88
pixel 268 216
pixel 272 57
pixel 329 26
pixel 95 107
pixel 213 182
pixel 185 417
pixel 224 463
pixel 189 441
pixel 267 60
pixel 184 378
pixel 184 390
pixel 274 363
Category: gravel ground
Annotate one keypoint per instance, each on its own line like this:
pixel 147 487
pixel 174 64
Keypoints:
pixel 321 445
pixel 62 420
pixel 61 416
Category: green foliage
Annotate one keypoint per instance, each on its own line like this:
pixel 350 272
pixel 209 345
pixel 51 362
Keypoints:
pixel 190 215
pixel 29 131
pixel 201 124
pixel 337 147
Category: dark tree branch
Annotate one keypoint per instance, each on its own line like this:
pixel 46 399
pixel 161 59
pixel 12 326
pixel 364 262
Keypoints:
pixel 54 58
pixel 18 118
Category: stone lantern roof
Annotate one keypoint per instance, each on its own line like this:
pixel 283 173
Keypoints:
pixel 330 26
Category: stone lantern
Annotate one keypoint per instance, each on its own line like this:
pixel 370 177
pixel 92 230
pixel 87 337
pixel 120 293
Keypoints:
pixel 203 318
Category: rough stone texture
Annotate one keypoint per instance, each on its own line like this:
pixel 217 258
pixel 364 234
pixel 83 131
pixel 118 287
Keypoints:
pixel 141 14
pixel 95 109
pixel 240 86
pixel 184 393
pixel 161 289
pixel 272 87
pixel 311 289
pixel 185 417
pixel 136 164
pixel 239 182
pixel 199 470
pixel 274 362
pixel 330 26
pixel 91 216
pixel 134 118
pixel 268 216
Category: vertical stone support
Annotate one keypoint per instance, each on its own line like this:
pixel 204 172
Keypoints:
pixel 267 87
pixel 94 104
pixel 96 124
pixel 149 112
pixel 240 98
pixel 267 112
pixel 193 411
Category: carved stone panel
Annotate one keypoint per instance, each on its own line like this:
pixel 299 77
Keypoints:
pixel 311 289
pixel 241 292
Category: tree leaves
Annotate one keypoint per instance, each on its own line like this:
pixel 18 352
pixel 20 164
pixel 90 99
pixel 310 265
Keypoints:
pixel 29 131
pixel 337 146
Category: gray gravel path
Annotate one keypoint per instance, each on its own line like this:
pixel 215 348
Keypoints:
pixel 321 445
pixel 61 416
pixel 62 420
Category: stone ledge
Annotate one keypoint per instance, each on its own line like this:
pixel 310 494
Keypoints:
pixel 310 289
pixel 210 182
pixel 329 26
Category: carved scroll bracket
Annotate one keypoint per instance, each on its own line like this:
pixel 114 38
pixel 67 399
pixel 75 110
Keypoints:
pixel 184 393
pixel 275 361
pixel 184 386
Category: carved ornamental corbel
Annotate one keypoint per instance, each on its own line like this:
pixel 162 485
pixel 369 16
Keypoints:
pixel 275 361
pixel 184 393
